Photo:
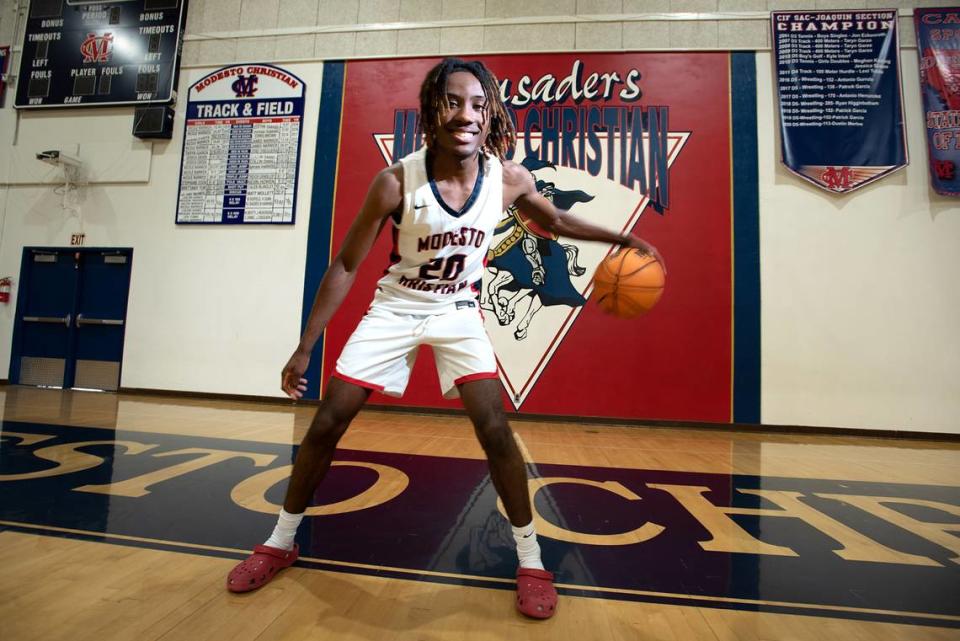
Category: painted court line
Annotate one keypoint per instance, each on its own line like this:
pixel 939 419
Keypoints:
pixel 485 579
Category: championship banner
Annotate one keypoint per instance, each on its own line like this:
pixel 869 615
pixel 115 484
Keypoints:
pixel 241 147
pixel 634 142
pixel 4 62
pixel 841 105
pixel 938 42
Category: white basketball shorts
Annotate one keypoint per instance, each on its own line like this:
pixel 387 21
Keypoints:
pixel 382 350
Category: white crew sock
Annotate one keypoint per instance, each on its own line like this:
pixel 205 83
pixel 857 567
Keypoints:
pixel 528 550
pixel 286 529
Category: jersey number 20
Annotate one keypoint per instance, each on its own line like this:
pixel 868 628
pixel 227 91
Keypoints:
pixel 448 268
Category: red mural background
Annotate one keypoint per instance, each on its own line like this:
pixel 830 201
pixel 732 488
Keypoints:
pixel 674 363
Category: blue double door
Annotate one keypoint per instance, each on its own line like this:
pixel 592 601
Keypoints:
pixel 71 317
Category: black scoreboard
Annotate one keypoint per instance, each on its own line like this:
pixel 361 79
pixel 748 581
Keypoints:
pixel 100 52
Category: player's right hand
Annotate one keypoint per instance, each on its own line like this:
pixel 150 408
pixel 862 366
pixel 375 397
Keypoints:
pixel 629 240
pixel 291 379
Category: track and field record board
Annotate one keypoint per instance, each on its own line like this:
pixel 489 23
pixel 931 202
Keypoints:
pixel 241 147
pixel 100 52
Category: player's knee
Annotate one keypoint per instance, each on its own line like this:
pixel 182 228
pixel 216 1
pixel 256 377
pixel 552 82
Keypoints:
pixel 496 438
pixel 322 435
pixel 328 426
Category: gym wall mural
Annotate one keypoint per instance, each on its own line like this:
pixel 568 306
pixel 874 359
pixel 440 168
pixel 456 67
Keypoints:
pixel 659 144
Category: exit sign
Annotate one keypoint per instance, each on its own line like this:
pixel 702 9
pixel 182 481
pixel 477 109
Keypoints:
pixel 76 240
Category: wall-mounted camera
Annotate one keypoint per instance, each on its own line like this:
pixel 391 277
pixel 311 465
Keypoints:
pixel 57 158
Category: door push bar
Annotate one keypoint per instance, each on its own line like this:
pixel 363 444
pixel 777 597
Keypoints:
pixel 97 321
pixel 49 319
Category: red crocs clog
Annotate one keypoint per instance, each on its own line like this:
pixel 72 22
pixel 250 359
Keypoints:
pixel 536 596
pixel 260 567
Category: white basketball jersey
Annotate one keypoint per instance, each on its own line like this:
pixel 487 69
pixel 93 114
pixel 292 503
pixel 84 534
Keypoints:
pixel 438 253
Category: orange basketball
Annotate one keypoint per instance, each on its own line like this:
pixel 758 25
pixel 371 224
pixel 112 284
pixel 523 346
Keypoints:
pixel 628 283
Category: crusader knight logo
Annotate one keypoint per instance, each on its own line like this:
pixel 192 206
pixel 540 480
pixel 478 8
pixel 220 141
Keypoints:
pixel 528 264
pixel 603 163
pixel 97 48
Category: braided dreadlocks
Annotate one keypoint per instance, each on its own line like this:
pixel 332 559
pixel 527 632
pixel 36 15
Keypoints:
pixel 433 101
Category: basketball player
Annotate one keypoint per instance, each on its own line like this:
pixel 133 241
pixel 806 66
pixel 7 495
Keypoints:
pixel 443 203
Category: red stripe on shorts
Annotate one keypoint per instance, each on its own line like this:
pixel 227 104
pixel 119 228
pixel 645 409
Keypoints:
pixel 476 377
pixel 373 386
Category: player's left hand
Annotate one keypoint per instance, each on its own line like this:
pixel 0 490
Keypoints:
pixel 635 242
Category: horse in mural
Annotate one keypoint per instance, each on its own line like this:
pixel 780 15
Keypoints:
pixel 529 263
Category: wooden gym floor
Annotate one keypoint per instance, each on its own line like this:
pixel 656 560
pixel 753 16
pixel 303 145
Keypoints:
pixel 122 514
